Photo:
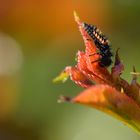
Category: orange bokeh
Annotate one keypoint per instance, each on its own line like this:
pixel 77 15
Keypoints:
pixel 38 18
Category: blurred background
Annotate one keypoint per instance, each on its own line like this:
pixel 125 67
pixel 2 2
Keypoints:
pixel 38 38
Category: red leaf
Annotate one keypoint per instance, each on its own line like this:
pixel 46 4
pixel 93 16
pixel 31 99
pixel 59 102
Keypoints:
pixel 82 66
pixel 78 77
pixel 91 61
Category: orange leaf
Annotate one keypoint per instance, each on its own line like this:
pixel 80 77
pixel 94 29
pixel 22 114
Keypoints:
pixel 91 55
pixel 82 66
pixel 78 77
pixel 109 100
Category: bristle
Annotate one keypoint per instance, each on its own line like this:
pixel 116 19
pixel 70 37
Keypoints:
pixel 101 43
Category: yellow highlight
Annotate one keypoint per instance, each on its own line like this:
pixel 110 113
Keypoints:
pixel 76 17
pixel 122 90
pixel 135 73
pixel 61 78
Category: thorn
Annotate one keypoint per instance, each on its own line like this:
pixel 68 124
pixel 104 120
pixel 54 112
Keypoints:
pixel 63 99
pixel 134 69
pixel 117 58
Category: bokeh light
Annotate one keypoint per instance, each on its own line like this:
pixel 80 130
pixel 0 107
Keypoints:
pixel 11 56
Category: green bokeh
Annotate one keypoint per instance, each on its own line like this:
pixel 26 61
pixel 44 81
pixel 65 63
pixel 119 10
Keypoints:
pixel 45 58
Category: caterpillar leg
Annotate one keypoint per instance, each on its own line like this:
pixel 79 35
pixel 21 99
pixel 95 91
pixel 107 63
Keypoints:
pixel 96 61
pixel 94 54
pixel 88 39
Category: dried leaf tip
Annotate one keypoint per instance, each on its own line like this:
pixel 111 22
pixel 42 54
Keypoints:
pixel 63 99
pixel 76 17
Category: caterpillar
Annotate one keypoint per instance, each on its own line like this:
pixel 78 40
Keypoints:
pixel 101 43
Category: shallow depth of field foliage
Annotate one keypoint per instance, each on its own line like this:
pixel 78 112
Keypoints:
pixel 37 40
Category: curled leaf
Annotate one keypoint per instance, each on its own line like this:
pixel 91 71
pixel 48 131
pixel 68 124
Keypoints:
pixel 78 77
pixel 91 54
pixel 82 66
